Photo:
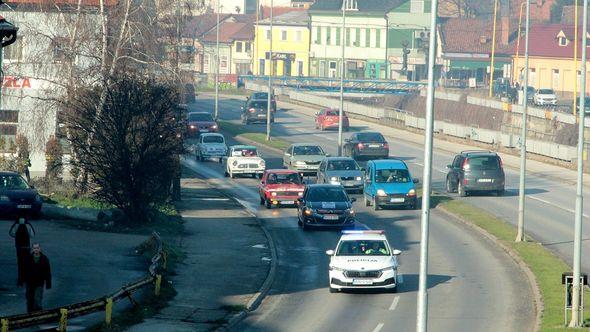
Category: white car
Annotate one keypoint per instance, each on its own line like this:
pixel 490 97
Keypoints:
pixel 243 159
pixel 545 97
pixel 210 145
pixel 361 260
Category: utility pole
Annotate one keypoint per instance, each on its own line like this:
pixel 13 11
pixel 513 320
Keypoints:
pixel 269 106
pixel 422 312
pixel 575 57
pixel 342 71
pixel 217 63
pixel 491 92
pixel 521 187
pixel 577 316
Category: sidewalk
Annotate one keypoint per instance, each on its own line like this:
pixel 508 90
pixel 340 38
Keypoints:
pixel 227 261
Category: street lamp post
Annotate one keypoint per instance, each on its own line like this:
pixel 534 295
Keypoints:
pixel 422 312
pixel 342 71
pixel 269 105
pixel 491 91
pixel 521 188
pixel 217 62
pixel 577 316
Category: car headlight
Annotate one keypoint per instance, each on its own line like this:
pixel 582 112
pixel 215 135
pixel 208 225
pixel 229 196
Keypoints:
pixel 359 178
pixel 381 192
pixel 273 194
pixel 262 163
pixel 412 192
pixel 214 127
pixel 308 212
pixel 300 193
pixel 389 268
pixel 350 212
pixel 335 268
pixel 193 126
pixel 4 198
pixel 334 179
pixel 301 163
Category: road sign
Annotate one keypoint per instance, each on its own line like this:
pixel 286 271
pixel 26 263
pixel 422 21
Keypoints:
pixel 567 280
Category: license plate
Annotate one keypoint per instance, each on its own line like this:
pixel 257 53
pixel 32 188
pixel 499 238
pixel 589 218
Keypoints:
pixel 374 145
pixel 261 115
pixel 287 202
pixel 330 217
pixel 23 206
pixel 362 282
pixel 397 200
pixel 485 180
pixel 204 130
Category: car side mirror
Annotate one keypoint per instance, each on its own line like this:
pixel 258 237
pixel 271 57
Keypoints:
pixel 287 154
pixel 330 252
pixel 363 169
pixel 367 181
pixel 300 200
pixel 31 186
pixel 449 166
pixel 416 180
pixel 317 113
pixel 353 199
pixel 327 155
pixel 397 252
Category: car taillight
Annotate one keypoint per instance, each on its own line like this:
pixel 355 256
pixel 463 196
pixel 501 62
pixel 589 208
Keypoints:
pixel 252 110
pixel 385 145
pixel 465 181
pixel 500 161
pixel 465 164
pixel 360 145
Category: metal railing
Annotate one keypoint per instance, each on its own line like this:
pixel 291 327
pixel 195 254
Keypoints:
pixel 60 315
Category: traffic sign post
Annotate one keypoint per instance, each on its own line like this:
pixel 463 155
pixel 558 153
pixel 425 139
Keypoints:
pixel 567 280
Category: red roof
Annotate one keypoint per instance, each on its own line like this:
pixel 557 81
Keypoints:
pixel 230 31
pixel 543 41
pixel 472 35
pixel 276 11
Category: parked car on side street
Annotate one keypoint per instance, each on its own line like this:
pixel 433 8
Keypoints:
pixel 325 205
pixel 256 111
pixel 243 159
pixel 210 145
pixel 328 118
pixel 586 104
pixel 17 197
pixel 545 97
pixel 342 171
pixel 280 187
pixel 388 183
pixel 476 170
pixel 366 144
pixel 304 157
pixel 200 122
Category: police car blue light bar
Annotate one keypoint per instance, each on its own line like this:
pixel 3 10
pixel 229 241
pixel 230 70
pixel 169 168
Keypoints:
pixel 364 232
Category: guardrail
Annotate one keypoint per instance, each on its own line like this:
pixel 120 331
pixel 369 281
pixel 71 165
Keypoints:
pixel 62 314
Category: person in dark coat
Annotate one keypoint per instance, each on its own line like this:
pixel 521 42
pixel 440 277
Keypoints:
pixel 22 232
pixel 38 277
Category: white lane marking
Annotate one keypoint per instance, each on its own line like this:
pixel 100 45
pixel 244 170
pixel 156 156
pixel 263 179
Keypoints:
pixel 419 164
pixel 210 199
pixel 436 169
pixel 555 205
pixel 379 327
pixel 394 303
pixel 259 246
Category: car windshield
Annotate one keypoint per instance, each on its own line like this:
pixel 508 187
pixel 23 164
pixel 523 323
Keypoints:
pixel 371 137
pixel 213 139
pixel 546 91
pixel 363 248
pixel 245 152
pixel 392 176
pixel 342 165
pixel 11 182
pixel 201 117
pixel 258 104
pixel 334 113
pixel 307 150
pixel 327 194
pixel 483 163
pixel 288 178
pixel 260 95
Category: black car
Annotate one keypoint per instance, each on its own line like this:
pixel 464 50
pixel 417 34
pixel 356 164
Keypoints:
pixel 17 197
pixel 256 111
pixel 366 144
pixel 264 97
pixel 476 171
pixel 325 205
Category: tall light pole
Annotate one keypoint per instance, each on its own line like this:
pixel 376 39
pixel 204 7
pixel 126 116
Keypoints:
pixel 422 312
pixel 217 62
pixel 342 71
pixel 521 186
pixel 577 316
pixel 575 56
pixel 491 91
pixel 516 60
pixel 269 106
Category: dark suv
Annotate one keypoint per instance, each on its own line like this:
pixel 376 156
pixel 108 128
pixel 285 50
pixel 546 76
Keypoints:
pixel 476 171
pixel 255 111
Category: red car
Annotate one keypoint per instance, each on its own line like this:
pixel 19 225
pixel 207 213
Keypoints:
pixel 200 122
pixel 328 118
pixel 280 187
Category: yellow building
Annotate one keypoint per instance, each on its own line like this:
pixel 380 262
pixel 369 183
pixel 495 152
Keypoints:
pixel 290 45
pixel 551 59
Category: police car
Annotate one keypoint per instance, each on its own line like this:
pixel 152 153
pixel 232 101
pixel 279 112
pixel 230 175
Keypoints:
pixel 362 260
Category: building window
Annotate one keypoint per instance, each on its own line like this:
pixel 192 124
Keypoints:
pixel 555 80
pixel 357 39
pixel 367 37
pixel 299 68
pixel 350 4
pixel 14 52
pixel 562 41
pixel 298 36
pixel 248 47
pixel 223 62
pixel 268 34
pixel 318 37
pixel 206 60
pixel 338 36
pixel 347 36
pixel 284 35
pixel 328 36
pixel 261 67
pixel 239 47
pixel 417 6
pixel 378 38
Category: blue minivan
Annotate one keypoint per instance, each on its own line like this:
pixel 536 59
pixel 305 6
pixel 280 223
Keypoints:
pixel 388 183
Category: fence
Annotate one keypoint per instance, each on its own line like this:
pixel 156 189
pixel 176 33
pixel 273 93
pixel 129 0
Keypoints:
pixel 62 314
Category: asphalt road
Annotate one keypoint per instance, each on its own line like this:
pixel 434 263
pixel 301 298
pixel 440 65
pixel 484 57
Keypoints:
pixel 471 282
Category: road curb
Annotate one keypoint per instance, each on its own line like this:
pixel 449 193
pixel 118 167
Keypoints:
pixel 257 298
pixel 532 281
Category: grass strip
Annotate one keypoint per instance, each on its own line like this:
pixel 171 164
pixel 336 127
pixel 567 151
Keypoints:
pixel 239 130
pixel 546 267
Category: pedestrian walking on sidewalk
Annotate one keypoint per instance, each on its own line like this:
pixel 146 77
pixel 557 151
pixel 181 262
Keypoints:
pixel 22 232
pixel 38 277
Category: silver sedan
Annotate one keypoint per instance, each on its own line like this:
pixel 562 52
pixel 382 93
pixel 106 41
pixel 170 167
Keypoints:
pixel 342 171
